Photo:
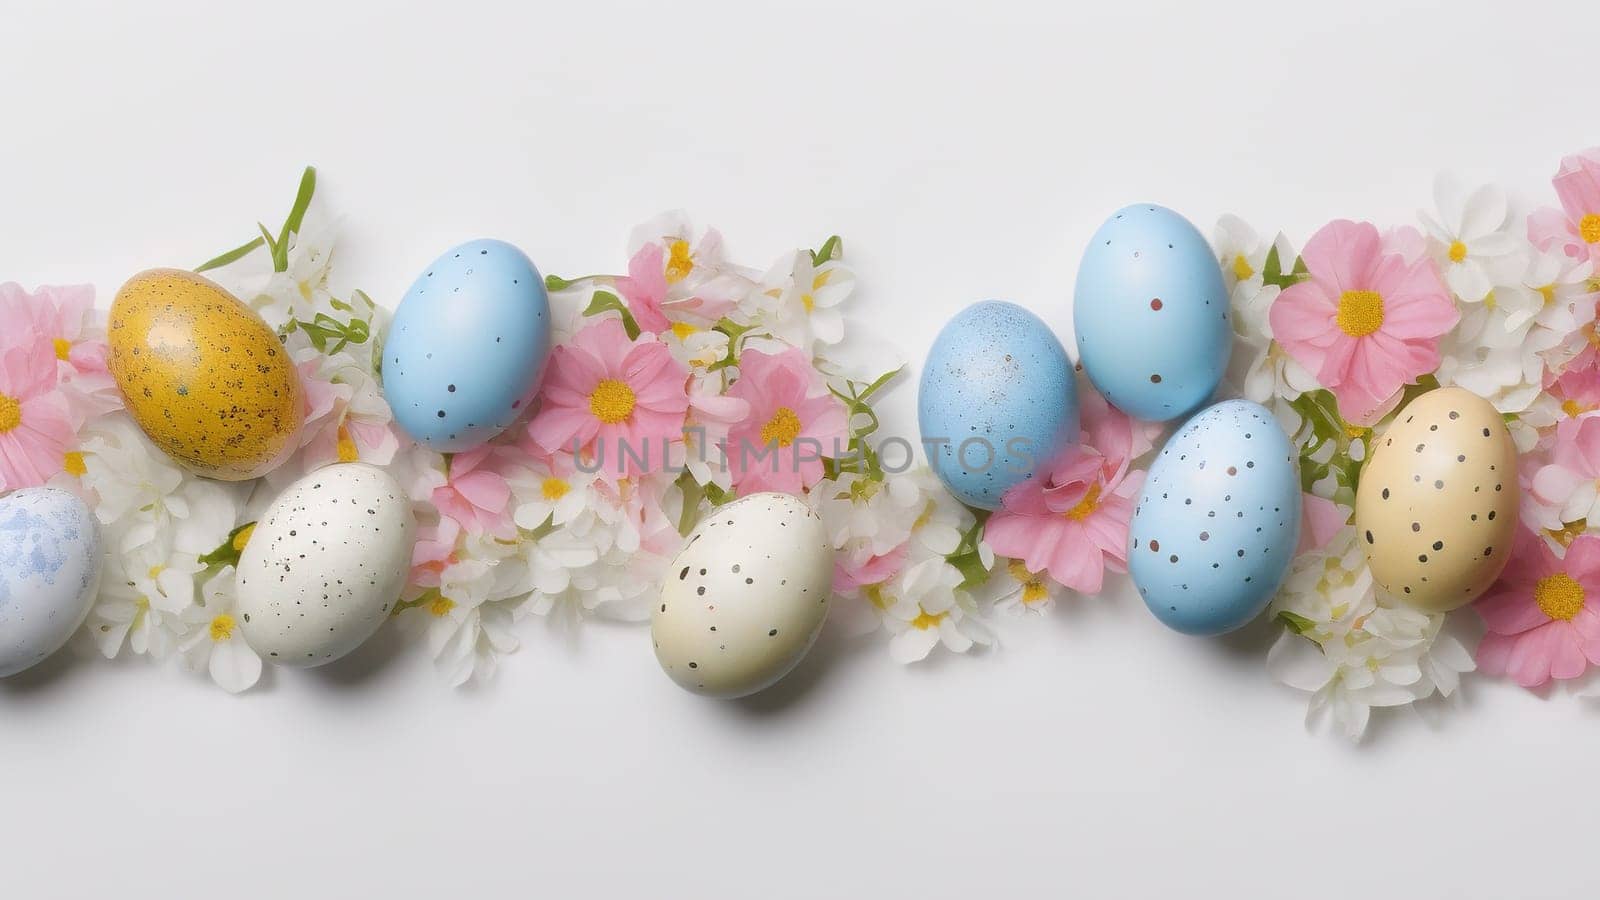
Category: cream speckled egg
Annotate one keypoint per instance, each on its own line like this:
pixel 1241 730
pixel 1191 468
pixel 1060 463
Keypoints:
pixel 325 565
pixel 745 597
pixel 1437 506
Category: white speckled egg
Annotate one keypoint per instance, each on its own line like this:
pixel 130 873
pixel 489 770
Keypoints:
pixel 1436 509
pixel 325 565
pixel 49 572
pixel 745 597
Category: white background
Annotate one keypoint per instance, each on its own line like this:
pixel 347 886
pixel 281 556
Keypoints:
pixel 964 152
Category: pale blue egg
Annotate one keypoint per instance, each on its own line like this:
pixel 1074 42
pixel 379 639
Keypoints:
pixel 1217 521
pixel 1151 314
pixel 467 346
pixel 997 401
pixel 49 570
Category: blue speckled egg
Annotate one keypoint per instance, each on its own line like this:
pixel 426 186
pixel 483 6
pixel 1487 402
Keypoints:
pixel 997 400
pixel 49 570
pixel 467 345
pixel 1217 521
pixel 1151 314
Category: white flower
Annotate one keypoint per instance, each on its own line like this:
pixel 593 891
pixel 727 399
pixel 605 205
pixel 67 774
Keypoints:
pixel 144 595
pixel 214 641
pixel 467 621
pixel 798 301
pixel 541 493
pixel 930 609
pixel 1355 648
pixel 1469 238
pixel 127 473
pixel 1028 591
pixel 1567 290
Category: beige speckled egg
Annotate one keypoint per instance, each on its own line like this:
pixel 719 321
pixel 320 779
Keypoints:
pixel 203 375
pixel 1437 506
pixel 325 565
pixel 745 597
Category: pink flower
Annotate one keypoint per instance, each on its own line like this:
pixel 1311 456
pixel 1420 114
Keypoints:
pixel 645 288
pixel 851 573
pixel 36 427
pixel 604 394
pixel 64 319
pixel 790 427
pixel 1367 322
pixel 1070 521
pixel 1541 614
pixel 476 497
pixel 1578 389
pixel 1321 520
pixel 1575 227
pixel 1570 483
pixel 434 551
pixel 655 286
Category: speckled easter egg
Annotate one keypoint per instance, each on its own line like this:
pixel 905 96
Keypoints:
pixel 324 566
pixel 997 400
pixel 1218 520
pixel 1151 314
pixel 745 597
pixel 1436 508
pixel 205 378
pixel 467 346
pixel 49 570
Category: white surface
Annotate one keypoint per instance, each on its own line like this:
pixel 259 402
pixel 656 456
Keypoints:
pixel 963 153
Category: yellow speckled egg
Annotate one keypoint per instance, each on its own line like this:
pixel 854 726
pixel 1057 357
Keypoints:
pixel 1437 506
pixel 205 378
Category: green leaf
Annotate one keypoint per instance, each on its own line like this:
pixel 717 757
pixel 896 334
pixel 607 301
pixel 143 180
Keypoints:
pixel 831 249
pixel 1296 623
pixel 1272 270
pixel 605 301
pixel 973 573
pixel 232 256
pixel 227 554
pixel 297 215
pixel 272 246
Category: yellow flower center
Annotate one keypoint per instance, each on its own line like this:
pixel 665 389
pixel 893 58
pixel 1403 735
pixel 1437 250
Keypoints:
pixel 347 447
pixel 72 464
pixel 1356 432
pixel 1569 532
pixel 1590 228
pixel 1558 596
pixel 10 413
pixel 63 349
pixel 1548 292
pixel 155 571
pixel 680 263
pixel 1086 506
pixel 1242 270
pixel 242 539
pixel 926 620
pixel 809 302
pixel 222 628
pixel 1573 408
pixel 783 427
pixel 1360 312
pixel 554 488
pixel 874 595
pixel 683 330
pixel 441 606
pixel 1458 251
pixel 612 401
pixel 1033 589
